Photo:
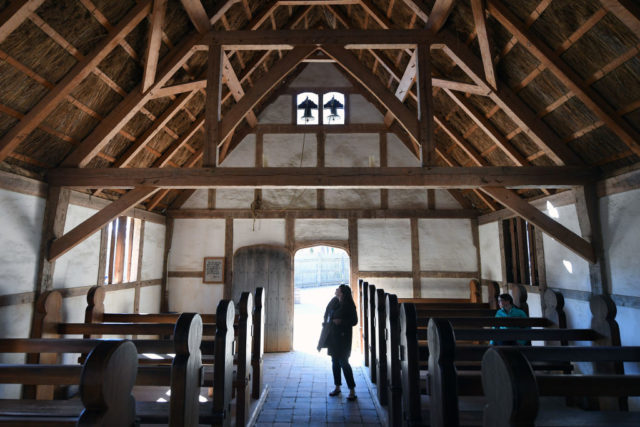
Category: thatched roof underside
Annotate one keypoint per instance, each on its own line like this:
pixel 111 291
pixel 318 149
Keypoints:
pixel 600 50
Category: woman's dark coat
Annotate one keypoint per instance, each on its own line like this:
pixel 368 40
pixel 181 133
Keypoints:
pixel 339 340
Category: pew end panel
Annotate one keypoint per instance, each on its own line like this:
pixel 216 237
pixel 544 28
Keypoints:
pixel 409 364
pixel 243 375
pixel 257 352
pixel 223 367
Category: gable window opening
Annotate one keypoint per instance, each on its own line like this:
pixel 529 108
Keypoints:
pixel 123 247
pixel 520 252
pixel 326 109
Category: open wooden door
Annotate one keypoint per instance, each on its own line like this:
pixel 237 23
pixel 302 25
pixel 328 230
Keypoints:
pixel 269 267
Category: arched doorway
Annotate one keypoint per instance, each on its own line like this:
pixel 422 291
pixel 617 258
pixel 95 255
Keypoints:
pixel 318 270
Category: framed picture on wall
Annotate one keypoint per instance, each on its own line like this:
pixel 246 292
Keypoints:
pixel 213 271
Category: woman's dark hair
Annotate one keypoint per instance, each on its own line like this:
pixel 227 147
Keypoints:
pixel 346 291
pixel 506 297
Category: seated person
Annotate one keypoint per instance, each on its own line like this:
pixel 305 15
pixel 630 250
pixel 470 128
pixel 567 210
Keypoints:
pixel 507 309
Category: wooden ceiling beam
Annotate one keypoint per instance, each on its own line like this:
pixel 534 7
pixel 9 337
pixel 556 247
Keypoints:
pixel 15 14
pixel 152 53
pixel 109 127
pixel 508 102
pixel 349 38
pixel 439 15
pixel 417 9
pixel 488 128
pixel 554 229
pixel 477 6
pixel 566 75
pixel 81 232
pixel 363 75
pixel 331 177
pixel 71 80
pixel 180 88
pixel 260 89
pixel 627 11
pixel 197 15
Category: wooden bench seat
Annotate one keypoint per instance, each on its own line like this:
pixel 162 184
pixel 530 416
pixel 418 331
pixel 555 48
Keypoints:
pixel 513 390
pixel 106 381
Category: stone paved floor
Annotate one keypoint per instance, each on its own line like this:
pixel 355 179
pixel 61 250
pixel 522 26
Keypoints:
pixel 299 393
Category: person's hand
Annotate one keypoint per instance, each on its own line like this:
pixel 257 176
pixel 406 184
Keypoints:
pixel 337 321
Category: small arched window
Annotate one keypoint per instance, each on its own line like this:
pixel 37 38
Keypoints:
pixel 307 110
pixel 333 108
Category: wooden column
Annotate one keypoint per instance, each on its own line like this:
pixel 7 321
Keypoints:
pixel 164 292
pixel 588 209
pixel 102 257
pixel 211 198
pixel 136 298
pixel 290 233
pixel 320 140
pixel 415 258
pixel 55 216
pixel 353 256
pixel 425 105
pixel 212 114
pixel 228 257
pixel 384 193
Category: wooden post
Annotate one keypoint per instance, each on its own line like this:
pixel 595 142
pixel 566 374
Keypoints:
pixel 212 120
pixel 228 257
pixel 425 104
pixel 588 209
pixel 415 258
pixel 164 293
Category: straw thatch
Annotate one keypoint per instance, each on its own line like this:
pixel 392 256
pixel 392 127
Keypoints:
pixel 32 62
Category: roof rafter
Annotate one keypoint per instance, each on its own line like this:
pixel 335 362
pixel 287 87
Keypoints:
pixel 154 42
pixel 15 14
pixel 626 11
pixel 566 75
pixel 78 73
pixel 477 6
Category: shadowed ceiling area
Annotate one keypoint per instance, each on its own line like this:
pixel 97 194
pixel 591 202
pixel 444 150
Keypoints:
pixel 97 84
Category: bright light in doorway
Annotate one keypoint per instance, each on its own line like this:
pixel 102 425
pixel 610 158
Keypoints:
pixel 568 266
pixel 553 212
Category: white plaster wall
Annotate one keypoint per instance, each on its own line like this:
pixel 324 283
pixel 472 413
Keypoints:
pixel 279 111
pixel 119 301
pixel 351 150
pixel 398 155
pixel 408 199
pixel 320 74
pixel 401 287
pixel 444 200
pixel 73 308
pixel 247 232
pixel 21 224
pixel 150 299
pixel 362 111
pixel 621 238
pixel 490 259
pixel 191 295
pixel 352 199
pixel 153 251
pixel 578 313
pixel 79 266
pixel 289 199
pixel 234 198
pixel 286 150
pixel 447 245
pixel 198 200
pixel 554 254
pixel 194 239
pixel 244 155
pixel 444 288
pixel 384 245
pixel 322 229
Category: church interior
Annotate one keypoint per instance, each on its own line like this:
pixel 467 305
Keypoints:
pixel 163 161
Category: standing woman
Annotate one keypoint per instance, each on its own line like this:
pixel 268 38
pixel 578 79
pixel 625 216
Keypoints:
pixel 343 319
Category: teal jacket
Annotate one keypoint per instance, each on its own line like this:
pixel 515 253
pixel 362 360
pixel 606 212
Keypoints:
pixel 514 312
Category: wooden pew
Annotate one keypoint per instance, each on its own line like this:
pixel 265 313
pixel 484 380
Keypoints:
pixel 188 369
pixel 414 353
pixel 106 380
pixel 447 383
pixel 248 327
pixel 512 388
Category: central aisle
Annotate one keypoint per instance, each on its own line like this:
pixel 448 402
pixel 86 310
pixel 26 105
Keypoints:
pixel 299 385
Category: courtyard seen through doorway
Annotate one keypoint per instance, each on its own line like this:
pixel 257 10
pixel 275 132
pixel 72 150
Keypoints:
pixel 318 271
